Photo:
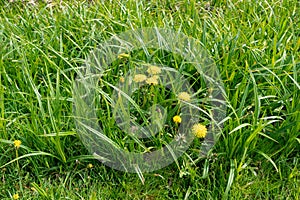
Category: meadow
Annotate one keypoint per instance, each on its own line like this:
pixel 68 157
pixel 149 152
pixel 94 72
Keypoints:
pixel 255 46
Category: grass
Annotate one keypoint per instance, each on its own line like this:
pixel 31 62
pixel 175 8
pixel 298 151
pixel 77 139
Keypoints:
pixel 255 46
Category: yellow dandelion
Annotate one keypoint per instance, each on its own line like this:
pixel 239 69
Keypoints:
pixel 177 119
pixel 123 55
pixel 199 130
pixel 122 80
pixel 152 80
pixel 139 78
pixel 90 166
pixel 17 143
pixel 184 96
pixel 154 70
pixel 16 196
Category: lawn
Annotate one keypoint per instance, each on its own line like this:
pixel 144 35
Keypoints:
pixel 255 47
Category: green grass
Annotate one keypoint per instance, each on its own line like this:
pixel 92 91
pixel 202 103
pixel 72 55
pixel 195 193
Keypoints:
pixel 255 46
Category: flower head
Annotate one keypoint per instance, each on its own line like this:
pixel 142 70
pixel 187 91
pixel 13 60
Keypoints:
pixel 17 143
pixel 199 130
pixel 152 80
pixel 138 78
pixel 177 119
pixel 90 166
pixel 184 96
pixel 15 196
pixel 154 70
pixel 122 80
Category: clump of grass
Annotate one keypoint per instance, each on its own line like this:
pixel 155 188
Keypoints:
pixel 255 46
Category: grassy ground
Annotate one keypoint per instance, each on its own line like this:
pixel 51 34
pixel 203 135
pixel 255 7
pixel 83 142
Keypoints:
pixel 255 46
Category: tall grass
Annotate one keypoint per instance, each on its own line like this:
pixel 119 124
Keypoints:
pixel 255 46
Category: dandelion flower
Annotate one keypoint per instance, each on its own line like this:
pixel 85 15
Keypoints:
pixel 17 143
pixel 184 96
pixel 154 70
pixel 138 78
pixel 199 130
pixel 177 119
pixel 152 80
pixel 123 55
pixel 122 80
pixel 90 166
pixel 16 196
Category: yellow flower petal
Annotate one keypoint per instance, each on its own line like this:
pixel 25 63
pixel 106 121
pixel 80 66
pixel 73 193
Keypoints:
pixel 177 119
pixel 152 80
pixel 184 96
pixel 138 78
pixel 199 130
pixel 15 196
pixel 154 70
pixel 17 143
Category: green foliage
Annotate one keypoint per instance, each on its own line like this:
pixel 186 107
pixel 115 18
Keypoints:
pixel 255 46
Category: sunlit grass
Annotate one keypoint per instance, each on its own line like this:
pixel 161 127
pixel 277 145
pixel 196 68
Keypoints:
pixel 255 46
